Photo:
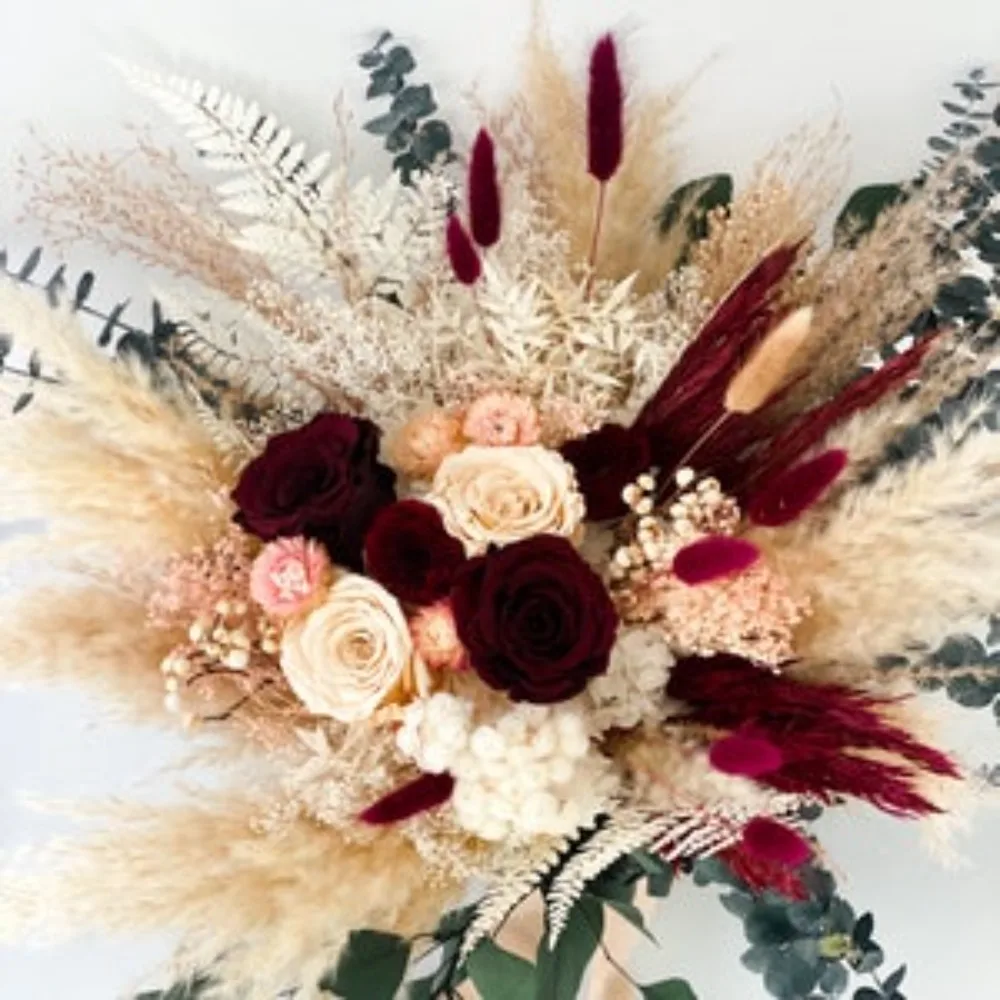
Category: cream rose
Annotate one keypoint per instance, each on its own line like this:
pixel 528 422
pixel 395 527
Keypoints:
pixel 494 496
pixel 349 655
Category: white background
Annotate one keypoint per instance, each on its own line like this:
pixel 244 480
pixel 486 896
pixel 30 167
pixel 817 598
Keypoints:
pixel 767 66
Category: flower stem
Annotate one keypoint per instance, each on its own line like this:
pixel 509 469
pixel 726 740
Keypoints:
pixel 595 238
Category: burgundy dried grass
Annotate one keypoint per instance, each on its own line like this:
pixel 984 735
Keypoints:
pixel 714 558
pixel 484 192
pixel 462 253
pixel 421 795
pixel 605 111
pixel 788 496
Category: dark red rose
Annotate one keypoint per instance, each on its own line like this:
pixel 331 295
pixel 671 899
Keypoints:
pixel 535 619
pixel 323 481
pixel 606 461
pixel 409 552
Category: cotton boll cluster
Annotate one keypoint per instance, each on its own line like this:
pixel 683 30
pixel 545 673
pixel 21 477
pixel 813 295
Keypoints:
pixel 530 771
pixel 632 689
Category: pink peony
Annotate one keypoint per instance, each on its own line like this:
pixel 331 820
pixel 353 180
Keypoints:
pixel 499 419
pixel 289 575
pixel 435 638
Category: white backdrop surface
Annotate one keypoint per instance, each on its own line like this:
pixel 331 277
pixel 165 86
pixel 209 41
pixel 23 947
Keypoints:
pixel 766 67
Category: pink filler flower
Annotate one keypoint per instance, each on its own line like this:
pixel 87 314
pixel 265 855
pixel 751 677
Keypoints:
pixel 288 575
pixel 436 638
pixel 501 419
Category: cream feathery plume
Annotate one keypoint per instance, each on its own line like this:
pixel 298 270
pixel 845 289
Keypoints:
pixel 102 452
pixel 770 365
pixel 277 908
pixel 894 562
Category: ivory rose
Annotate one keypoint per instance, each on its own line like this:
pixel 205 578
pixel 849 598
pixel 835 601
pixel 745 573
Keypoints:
pixel 351 654
pixel 495 496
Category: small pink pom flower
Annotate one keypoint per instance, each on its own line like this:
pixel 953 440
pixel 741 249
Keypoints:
pixel 435 638
pixel 289 575
pixel 501 419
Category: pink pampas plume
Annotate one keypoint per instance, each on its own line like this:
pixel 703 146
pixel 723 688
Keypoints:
pixel 484 191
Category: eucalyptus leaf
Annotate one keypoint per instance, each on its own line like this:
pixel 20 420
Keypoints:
pixel 758 957
pixel 371 967
pixel 867 993
pixel 870 960
pixel 669 989
pixel 892 983
pixel 834 979
pixel 561 970
pixel 433 139
pixel 498 973
pixel 861 212
pixel 790 977
pixel 412 103
pixel 863 930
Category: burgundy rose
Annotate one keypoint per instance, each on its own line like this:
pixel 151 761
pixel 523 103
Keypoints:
pixel 606 461
pixel 409 552
pixel 323 481
pixel 535 619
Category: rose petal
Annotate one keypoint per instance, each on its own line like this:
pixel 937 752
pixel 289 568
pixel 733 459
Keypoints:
pixel 792 493
pixel 712 558
pixel 422 794
pixel 770 840
pixel 746 756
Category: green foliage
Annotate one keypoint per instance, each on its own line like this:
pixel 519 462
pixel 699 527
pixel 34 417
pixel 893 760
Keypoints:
pixel 691 204
pixel 371 967
pixel 498 973
pixel 561 969
pixel 669 989
pixel 805 949
pixel 862 209
pixel 192 989
pixel 414 138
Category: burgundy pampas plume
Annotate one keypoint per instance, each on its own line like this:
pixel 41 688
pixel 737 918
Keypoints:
pixel 484 192
pixel 713 558
pixel 771 841
pixel 808 429
pixel 605 111
pixel 461 252
pixel 426 792
pixel 826 734
pixel 790 495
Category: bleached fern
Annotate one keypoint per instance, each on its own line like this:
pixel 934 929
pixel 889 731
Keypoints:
pixel 288 195
pixel 508 892
pixel 625 831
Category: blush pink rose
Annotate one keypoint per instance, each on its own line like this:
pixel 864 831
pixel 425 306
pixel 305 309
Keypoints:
pixel 289 575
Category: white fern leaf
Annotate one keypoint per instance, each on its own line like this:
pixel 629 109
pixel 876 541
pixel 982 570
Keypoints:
pixel 510 889
pixel 626 831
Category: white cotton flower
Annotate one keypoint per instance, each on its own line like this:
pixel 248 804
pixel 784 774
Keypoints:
pixel 435 732
pixel 495 496
pixel 348 656
pixel 633 687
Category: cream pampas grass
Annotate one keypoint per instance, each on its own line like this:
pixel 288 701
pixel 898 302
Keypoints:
pixel 894 563
pixel 555 108
pixel 259 912
pixel 102 451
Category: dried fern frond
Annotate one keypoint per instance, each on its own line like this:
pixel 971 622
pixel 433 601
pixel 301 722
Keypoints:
pixel 894 561
pixel 142 203
pixel 553 106
pixel 275 184
pixel 275 908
